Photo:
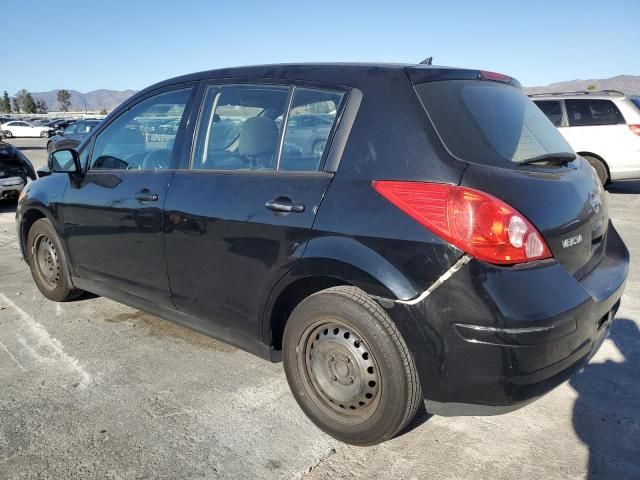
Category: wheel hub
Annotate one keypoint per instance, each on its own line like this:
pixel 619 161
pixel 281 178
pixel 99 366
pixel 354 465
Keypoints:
pixel 47 260
pixel 341 369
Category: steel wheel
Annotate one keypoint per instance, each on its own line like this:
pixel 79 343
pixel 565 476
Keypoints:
pixel 46 260
pixel 338 368
pixel 318 149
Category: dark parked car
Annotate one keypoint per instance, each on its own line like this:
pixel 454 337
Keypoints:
pixel 15 171
pixel 448 245
pixel 72 135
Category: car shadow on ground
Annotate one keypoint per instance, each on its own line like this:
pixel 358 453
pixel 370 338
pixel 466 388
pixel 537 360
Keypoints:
pixel 605 414
pixel 627 186
pixel 8 206
pixel 32 148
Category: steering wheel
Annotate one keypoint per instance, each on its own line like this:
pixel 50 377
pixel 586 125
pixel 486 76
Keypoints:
pixel 154 160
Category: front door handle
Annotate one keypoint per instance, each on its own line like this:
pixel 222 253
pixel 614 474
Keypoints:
pixel 145 195
pixel 284 205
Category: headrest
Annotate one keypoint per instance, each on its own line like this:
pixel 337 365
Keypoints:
pixel 259 136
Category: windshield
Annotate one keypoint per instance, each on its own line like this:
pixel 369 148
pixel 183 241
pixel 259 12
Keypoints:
pixel 489 123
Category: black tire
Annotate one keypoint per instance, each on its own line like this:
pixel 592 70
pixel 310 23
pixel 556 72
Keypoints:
pixel 361 384
pixel 7 134
pixel 48 263
pixel 44 135
pixel 600 167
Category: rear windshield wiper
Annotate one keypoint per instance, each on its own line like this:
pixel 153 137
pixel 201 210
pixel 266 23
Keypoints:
pixel 560 157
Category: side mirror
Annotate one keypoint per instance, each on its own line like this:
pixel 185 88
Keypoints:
pixel 64 161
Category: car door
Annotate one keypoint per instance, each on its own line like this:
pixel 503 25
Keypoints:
pixel 113 219
pixel 596 126
pixel 238 217
pixel 19 129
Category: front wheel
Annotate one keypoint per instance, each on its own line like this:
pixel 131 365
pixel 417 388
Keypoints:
pixel 7 134
pixel 48 263
pixel 349 368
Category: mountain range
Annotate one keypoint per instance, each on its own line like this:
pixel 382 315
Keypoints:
pixel 90 101
pixel 629 84
pixel 109 99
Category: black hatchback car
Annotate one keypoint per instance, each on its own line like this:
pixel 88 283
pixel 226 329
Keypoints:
pixel 443 244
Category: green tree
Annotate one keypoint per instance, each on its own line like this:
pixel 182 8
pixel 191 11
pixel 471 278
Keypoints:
pixel 5 103
pixel 64 100
pixel 18 101
pixel 41 106
pixel 103 111
pixel 15 105
pixel 29 104
pixel 591 87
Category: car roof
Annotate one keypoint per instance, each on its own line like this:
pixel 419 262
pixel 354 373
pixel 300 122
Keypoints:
pixel 348 74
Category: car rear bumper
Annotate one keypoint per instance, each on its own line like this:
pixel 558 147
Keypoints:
pixel 11 187
pixel 492 339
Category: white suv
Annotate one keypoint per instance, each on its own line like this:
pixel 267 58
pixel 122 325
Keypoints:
pixel 603 127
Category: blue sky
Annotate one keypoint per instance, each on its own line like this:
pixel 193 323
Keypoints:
pixel 115 44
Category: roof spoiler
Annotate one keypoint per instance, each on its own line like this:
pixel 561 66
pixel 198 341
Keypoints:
pixel 427 73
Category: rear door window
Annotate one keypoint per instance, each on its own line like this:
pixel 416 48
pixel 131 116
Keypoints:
pixel 552 109
pixel 311 118
pixel 238 129
pixel 590 112
pixel 488 122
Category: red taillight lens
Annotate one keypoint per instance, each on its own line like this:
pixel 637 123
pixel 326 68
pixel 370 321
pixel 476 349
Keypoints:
pixel 474 221
pixel 635 129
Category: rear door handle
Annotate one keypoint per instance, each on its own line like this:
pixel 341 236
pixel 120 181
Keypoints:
pixel 145 195
pixel 284 205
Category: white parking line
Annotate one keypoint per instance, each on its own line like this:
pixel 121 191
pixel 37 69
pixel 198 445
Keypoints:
pixel 12 357
pixel 36 346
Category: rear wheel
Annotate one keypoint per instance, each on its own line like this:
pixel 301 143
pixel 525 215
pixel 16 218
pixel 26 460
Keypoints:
pixel 48 263
pixel 600 168
pixel 349 368
pixel 44 135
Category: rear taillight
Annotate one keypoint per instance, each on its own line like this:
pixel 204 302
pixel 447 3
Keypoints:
pixel 474 221
pixel 635 129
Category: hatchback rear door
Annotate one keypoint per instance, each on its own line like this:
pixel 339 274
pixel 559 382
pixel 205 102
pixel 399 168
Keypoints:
pixel 238 217
pixel 498 131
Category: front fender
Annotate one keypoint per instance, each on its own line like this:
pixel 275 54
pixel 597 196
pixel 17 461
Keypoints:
pixel 42 199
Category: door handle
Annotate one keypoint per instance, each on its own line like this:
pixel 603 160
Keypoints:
pixel 145 195
pixel 284 205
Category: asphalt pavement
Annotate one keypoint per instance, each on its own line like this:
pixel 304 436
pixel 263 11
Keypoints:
pixel 94 389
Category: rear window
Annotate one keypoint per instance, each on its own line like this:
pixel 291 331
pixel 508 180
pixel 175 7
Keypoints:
pixel 489 123
pixel 636 101
pixel 583 113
